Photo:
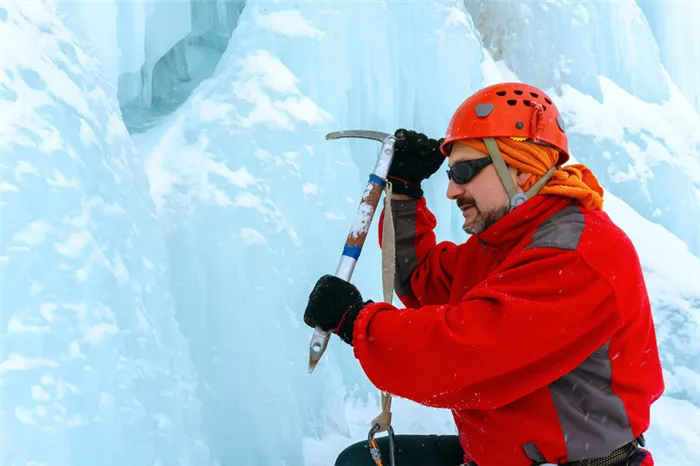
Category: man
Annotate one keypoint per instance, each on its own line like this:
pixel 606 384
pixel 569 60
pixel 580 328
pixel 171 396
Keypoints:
pixel 537 331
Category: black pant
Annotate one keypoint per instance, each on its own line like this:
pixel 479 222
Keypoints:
pixel 424 450
pixel 410 450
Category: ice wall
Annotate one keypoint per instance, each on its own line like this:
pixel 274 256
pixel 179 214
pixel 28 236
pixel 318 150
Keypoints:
pixel 94 368
pixel 214 20
pixel 674 25
pixel 558 43
pixel 626 119
pixel 153 53
pixel 129 37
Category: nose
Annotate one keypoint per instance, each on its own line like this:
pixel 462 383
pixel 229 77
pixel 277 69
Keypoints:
pixel 454 190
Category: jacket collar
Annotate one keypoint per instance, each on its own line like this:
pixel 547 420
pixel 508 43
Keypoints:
pixel 518 222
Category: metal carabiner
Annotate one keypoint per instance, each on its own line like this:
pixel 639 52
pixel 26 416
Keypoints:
pixel 374 447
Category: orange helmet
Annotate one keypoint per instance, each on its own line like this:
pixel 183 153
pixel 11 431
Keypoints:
pixel 509 110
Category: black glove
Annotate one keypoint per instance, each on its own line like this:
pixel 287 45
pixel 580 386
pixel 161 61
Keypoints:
pixel 416 158
pixel 334 305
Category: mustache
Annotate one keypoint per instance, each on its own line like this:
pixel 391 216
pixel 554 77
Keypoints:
pixel 461 202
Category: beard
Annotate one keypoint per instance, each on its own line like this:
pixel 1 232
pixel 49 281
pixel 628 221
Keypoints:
pixel 484 219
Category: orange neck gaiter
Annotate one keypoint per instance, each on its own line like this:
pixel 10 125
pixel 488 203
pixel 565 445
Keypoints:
pixel 574 181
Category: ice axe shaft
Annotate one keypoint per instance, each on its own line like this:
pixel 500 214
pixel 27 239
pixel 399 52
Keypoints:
pixel 360 225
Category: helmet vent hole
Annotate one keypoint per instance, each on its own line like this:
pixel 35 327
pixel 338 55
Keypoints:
pixel 512 102
pixel 534 94
pixel 548 101
pixel 526 102
pixel 518 92
pixel 544 108
pixel 501 93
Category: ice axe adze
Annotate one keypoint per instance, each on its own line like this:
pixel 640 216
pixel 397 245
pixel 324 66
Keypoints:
pixel 360 226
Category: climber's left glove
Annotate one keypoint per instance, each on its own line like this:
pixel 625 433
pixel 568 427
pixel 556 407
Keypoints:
pixel 334 305
pixel 416 158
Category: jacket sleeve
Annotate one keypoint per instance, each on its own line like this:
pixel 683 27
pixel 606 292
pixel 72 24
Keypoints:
pixel 524 327
pixel 424 269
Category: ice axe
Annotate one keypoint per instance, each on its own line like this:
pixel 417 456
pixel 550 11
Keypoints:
pixel 360 225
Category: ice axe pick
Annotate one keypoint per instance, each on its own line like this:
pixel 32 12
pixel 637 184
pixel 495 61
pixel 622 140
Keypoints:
pixel 360 225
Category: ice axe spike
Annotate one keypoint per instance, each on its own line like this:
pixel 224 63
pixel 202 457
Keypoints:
pixel 360 226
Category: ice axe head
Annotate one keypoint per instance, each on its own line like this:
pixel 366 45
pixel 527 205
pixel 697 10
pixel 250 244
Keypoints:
pixel 359 133
pixel 381 169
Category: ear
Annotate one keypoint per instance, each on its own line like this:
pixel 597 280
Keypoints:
pixel 521 178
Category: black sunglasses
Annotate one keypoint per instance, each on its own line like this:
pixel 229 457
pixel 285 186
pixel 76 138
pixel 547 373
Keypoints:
pixel 462 172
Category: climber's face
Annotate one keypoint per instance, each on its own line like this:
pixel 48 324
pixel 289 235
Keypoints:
pixel 482 199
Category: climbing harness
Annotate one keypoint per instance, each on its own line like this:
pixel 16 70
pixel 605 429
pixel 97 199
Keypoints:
pixel 615 458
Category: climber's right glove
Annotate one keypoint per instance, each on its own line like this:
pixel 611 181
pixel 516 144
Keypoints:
pixel 333 305
pixel 416 158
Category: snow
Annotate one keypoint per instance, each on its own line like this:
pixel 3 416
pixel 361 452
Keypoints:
pixel 262 74
pixel 16 362
pixel 169 200
pixel 289 23
pixel 310 188
pixel 34 234
pixel 252 237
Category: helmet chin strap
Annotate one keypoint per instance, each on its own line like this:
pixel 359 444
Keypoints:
pixel 516 198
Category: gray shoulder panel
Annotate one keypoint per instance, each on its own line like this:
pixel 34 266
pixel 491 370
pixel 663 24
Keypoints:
pixel 562 230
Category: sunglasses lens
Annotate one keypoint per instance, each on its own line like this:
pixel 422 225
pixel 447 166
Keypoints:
pixel 460 173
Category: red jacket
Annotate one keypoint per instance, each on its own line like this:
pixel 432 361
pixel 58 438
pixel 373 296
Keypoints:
pixel 537 334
